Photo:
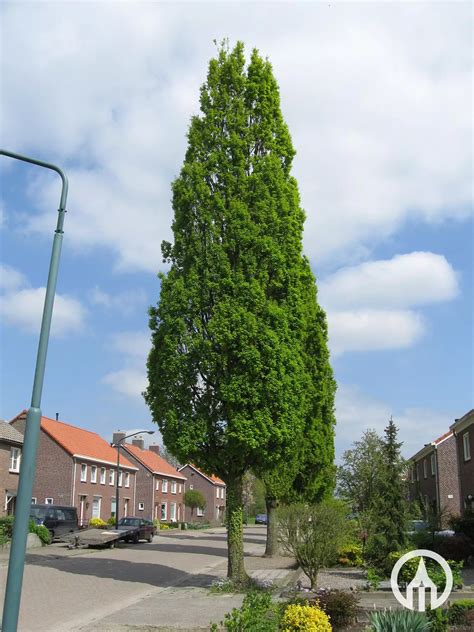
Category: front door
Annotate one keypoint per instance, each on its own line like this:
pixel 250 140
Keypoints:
pixel 82 508
pixel 125 507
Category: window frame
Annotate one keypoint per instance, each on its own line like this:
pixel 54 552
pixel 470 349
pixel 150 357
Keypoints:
pixel 15 459
pixel 425 468
pixel 141 506
pixel 164 505
pixel 173 487
pixel 466 446
pixel 103 475
pixel 433 465
pixel 46 501
pixel 127 479
pixel 83 472
pixel 199 512
pixel 93 473
pixel 111 476
pixel 164 486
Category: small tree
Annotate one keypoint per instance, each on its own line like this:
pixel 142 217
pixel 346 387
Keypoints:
pixel 314 534
pixel 194 499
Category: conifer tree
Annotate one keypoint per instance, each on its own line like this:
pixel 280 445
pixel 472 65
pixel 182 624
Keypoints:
pixel 227 374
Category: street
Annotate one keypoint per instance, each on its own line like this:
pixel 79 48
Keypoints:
pixel 67 590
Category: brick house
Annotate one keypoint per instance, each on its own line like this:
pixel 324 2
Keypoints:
pixel 463 430
pixel 160 487
pixel 213 490
pixel 11 442
pixel 76 467
pixel 433 476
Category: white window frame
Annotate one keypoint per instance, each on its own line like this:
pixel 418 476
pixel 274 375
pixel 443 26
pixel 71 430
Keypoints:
pixel 141 506
pixel 111 477
pixel 83 473
pixel 200 512
pixel 157 485
pixel 191 486
pixel 99 498
pixel 218 492
pixel 466 446
pixel 34 500
pixel 172 512
pixel 127 479
pixel 15 459
pixel 180 488
pixel 103 474
pixel 425 468
pixel 173 487
pixel 433 465
pixel 49 501
pixel 113 506
pixel 120 478
pixel 164 486
pixel 93 473
pixel 163 514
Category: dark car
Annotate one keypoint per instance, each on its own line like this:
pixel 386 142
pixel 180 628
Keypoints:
pixel 261 519
pixel 140 529
pixel 59 519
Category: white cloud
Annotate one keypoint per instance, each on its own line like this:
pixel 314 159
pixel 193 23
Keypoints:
pixel 356 411
pixel 370 330
pixel 377 101
pixel 367 304
pixel 127 302
pixel 24 308
pixel 418 278
pixel 134 347
pixel 10 278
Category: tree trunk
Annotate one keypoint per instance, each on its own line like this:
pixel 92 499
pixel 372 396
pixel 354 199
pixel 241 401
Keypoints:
pixel 271 547
pixel 235 533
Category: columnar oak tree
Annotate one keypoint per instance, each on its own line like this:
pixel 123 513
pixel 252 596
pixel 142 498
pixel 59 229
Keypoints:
pixel 227 377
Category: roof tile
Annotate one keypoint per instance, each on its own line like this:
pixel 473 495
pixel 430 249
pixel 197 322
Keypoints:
pixel 154 462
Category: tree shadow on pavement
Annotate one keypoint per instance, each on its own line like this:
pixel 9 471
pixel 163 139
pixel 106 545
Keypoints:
pixel 183 548
pixel 157 575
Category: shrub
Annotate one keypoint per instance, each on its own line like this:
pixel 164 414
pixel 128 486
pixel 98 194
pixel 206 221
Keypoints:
pixel 164 526
pixel 257 614
pixel 399 621
pixel 6 528
pixel 373 579
pixel 458 611
pixel 111 521
pixel 438 619
pixel 340 606
pixel 350 555
pixel 42 532
pixel 306 618
pixel 97 523
pixel 435 571
pixel 457 548
pixel 464 525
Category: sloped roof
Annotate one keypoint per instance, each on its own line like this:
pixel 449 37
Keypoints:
pixel 210 477
pixel 9 433
pixel 154 462
pixel 81 443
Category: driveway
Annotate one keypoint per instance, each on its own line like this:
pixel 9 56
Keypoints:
pixel 64 589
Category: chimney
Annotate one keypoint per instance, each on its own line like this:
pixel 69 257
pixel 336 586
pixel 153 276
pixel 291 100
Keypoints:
pixel 139 443
pixel 57 416
pixel 117 436
pixel 155 448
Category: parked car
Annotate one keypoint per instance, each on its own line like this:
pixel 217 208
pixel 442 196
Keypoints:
pixel 261 519
pixel 415 526
pixel 140 529
pixel 58 519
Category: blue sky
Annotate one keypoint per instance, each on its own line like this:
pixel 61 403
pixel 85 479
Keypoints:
pixel 377 98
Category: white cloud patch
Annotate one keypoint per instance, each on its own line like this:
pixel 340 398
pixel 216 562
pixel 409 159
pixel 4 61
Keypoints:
pixel 356 412
pixel 367 305
pixel 133 346
pixel 22 307
pixel 126 302
pixel 377 101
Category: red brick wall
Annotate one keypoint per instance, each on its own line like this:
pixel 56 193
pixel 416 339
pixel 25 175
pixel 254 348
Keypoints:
pixel 448 479
pixel 169 498
pixel 466 468
pixel 8 480
pixel 208 489
pixel 424 487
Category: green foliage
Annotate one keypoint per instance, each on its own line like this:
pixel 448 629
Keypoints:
pixel 340 606
pixel 464 525
pixel 350 555
pixel 399 621
pixel 257 614
pixel 313 534
pixel 438 620
pixel 97 523
pixel 42 532
pixel 193 499
pixel 389 510
pixel 6 528
pixel 459 611
pixel 373 579
pixel 111 521
pixel 228 372
pixel 304 618
pixel 198 525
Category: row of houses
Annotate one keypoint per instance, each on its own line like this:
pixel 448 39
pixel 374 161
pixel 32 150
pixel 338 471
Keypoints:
pixel 442 472
pixel 77 467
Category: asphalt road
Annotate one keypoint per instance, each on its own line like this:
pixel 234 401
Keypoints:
pixel 63 590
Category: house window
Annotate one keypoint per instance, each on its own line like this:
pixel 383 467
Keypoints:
pixel 83 473
pixel 34 501
pixel 141 506
pixel 93 474
pixel 120 478
pixel 15 459
pixel 157 486
pixel 96 503
pixel 218 492
pixel 180 488
pixel 199 511
pixel 164 486
pixel 113 507
pixel 49 501
pixel 417 472
pixel 125 506
pixel 111 477
pixel 127 479
pixel 432 465
pixel 191 487
pixel 102 475
pixel 466 446
pixel 173 487
pixel 425 469
pixel 173 512
pixel 163 511
pixel 223 493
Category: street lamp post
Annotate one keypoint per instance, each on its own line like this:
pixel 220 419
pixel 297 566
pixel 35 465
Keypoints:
pixel 117 490
pixel 33 420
